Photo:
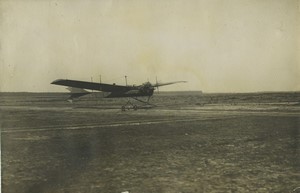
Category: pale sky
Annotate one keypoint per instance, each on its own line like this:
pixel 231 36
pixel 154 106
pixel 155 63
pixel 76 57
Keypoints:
pixel 215 45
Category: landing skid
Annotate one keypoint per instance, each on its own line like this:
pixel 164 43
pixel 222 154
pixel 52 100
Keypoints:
pixel 129 105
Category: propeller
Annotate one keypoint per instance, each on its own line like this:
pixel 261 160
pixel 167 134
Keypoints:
pixel 148 85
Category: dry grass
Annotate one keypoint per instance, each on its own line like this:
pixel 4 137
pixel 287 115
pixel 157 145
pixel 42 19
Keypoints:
pixel 56 148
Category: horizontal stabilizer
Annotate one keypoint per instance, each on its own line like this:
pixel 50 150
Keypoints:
pixel 77 92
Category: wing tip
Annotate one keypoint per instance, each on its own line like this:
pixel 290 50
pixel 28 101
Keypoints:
pixel 57 81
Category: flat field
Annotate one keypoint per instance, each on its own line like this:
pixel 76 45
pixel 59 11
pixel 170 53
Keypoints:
pixel 190 142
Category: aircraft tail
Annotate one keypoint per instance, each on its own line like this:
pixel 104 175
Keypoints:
pixel 76 92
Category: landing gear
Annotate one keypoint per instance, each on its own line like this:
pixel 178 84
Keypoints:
pixel 129 105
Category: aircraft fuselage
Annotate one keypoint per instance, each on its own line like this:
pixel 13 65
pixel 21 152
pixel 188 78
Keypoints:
pixel 139 92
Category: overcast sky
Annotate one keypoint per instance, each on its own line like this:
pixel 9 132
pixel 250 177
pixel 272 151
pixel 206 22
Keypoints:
pixel 216 45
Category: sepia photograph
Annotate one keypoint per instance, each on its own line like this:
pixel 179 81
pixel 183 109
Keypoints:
pixel 143 96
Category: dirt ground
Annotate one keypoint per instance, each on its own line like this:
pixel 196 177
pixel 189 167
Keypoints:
pixel 188 143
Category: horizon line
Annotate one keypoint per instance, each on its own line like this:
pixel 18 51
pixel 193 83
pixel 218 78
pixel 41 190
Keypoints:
pixel 235 92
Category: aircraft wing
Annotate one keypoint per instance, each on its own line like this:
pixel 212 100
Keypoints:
pixel 92 85
pixel 167 83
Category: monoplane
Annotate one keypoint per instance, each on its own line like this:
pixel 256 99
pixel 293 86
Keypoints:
pixel 77 89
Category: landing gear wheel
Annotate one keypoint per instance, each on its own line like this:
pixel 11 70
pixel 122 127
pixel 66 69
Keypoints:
pixel 123 108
